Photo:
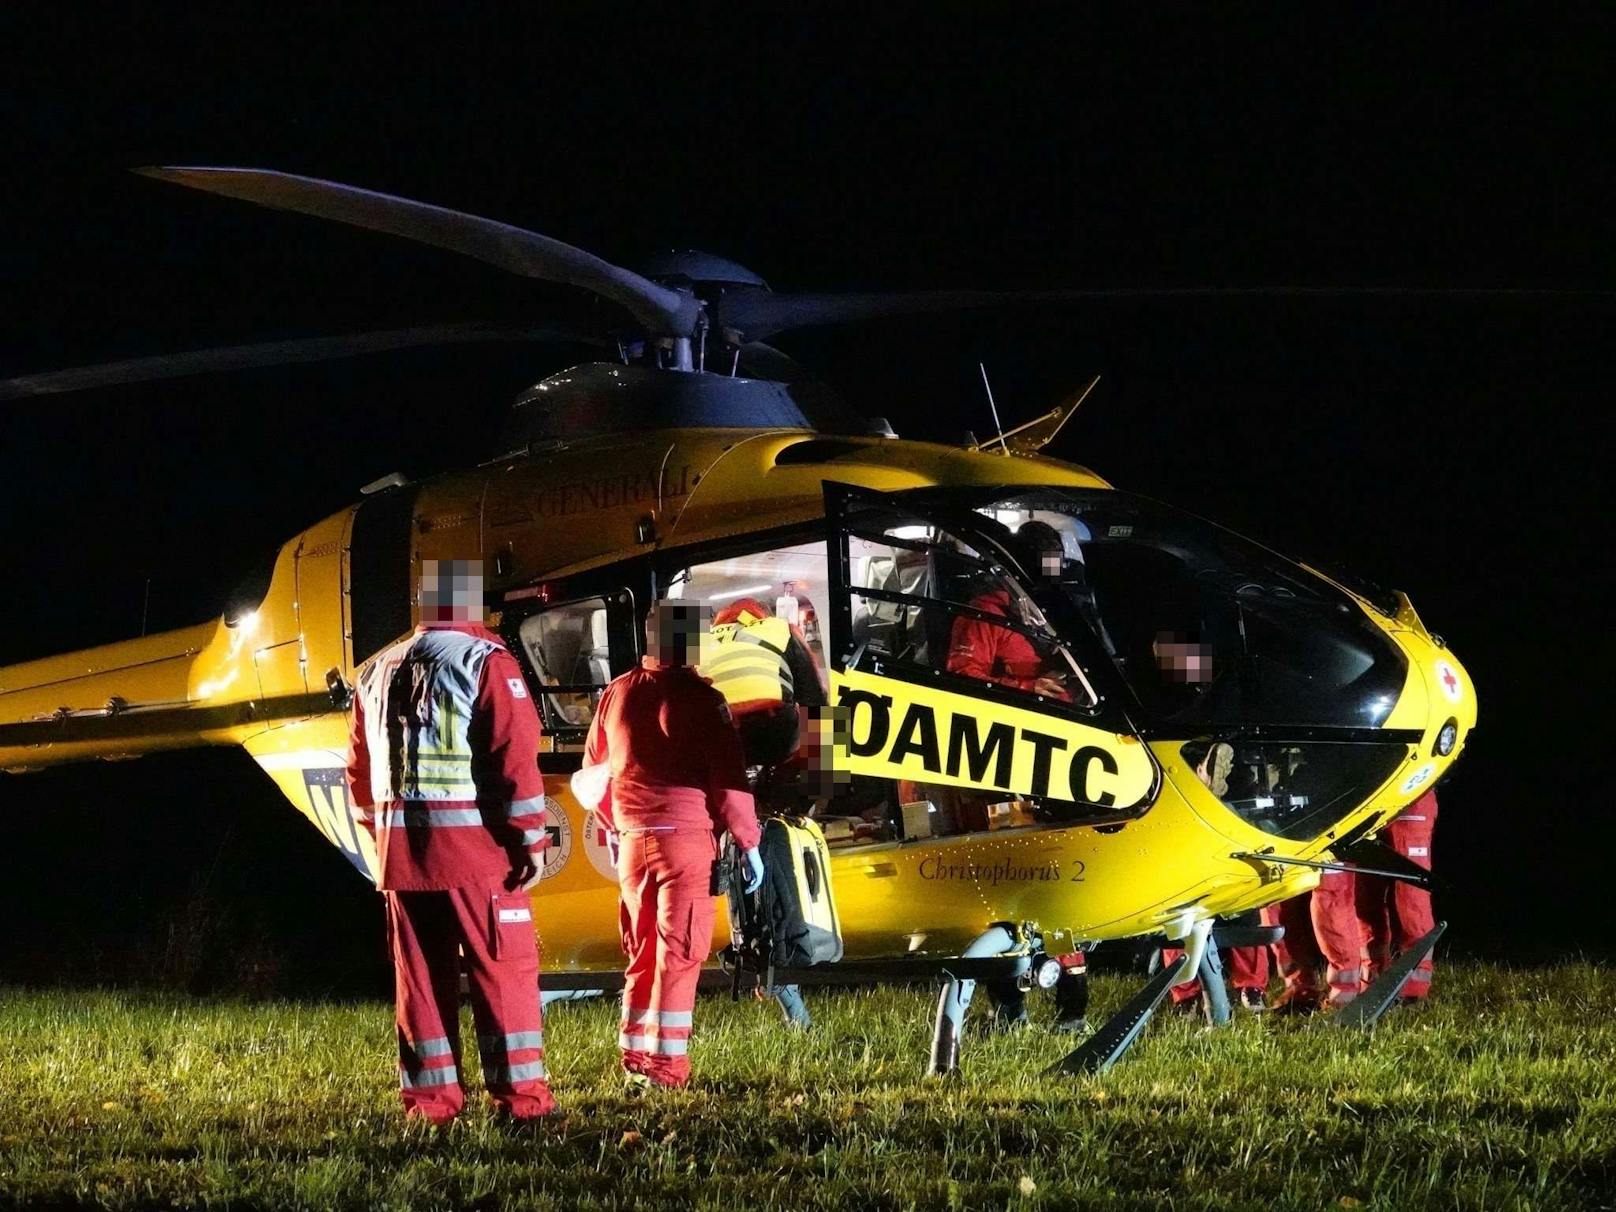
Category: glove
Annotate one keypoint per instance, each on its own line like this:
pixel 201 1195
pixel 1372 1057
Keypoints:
pixel 525 875
pixel 589 784
pixel 754 870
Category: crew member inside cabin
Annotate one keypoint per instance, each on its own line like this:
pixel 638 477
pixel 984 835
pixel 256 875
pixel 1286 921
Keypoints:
pixel 761 664
pixel 443 774
pixel 998 654
pixel 663 769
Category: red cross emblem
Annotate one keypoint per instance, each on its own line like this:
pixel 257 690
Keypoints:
pixel 1448 680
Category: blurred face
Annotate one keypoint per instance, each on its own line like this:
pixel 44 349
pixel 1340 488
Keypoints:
pixel 1181 659
pixel 673 631
pixel 827 729
pixel 451 591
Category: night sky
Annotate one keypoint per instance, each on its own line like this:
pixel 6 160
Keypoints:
pixel 1456 449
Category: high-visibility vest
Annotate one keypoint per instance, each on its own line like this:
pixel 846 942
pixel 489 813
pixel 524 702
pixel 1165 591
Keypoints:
pixel 746 661
pixel 418 698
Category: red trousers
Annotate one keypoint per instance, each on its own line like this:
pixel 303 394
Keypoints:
pixel 494 930
pixel 666 882
pixel 1394 913
pixel 1248 968
pixel 1321 930
pixel 1297 954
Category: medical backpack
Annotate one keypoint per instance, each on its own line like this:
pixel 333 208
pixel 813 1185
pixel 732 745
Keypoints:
pixel 791 921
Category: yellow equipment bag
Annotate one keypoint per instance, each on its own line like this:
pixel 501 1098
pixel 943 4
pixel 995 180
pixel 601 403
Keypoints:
pixel 791 921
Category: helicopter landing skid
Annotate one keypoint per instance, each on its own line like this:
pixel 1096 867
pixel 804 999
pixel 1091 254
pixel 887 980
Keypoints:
pixel 1106 1046
pixel 1366 1009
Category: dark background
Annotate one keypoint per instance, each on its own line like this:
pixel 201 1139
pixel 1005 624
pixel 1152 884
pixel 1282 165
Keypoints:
pixel 1454 448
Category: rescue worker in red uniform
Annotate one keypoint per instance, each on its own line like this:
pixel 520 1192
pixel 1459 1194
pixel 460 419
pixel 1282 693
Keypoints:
pixel 664 770
pixel 1248 976
pixel 443 774
pixel 1248 966
pixel 1395 914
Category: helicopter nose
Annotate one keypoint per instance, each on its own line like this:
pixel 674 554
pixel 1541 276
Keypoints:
pixel 1453 702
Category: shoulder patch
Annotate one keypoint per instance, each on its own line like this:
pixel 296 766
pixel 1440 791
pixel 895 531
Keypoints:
pixel 518 689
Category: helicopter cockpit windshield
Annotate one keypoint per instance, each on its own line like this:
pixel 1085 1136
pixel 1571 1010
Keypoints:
pixel 1276 680
pixel 1205 628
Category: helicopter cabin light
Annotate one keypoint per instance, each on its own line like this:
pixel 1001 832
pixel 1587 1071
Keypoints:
pixel 742 592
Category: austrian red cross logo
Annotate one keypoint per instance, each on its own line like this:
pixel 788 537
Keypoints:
pixel 1449 679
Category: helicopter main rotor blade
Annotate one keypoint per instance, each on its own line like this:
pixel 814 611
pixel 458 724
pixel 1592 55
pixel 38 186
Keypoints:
pixel 752 314
pixel 271 353
pixel 663 312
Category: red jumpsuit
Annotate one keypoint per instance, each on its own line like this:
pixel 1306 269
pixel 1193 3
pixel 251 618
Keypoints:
pixel 1394 913
pixel 1248 968
pixel 1321 929
pixel 443 774
pixel 988 653
pixel 994 654
pixel 677 778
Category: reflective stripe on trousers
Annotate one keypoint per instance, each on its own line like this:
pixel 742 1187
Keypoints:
pixel 1344 983
pixel 657 1033
pixel 421 815
pixel 496 1050
pixel 414 1073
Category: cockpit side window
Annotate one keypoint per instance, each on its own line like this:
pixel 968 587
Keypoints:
pixel 569 648
pixel 922 598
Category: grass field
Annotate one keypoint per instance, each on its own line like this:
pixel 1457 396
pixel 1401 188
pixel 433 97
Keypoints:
pixel 1500 1094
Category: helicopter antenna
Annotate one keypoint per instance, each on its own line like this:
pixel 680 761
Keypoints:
pixel 994 408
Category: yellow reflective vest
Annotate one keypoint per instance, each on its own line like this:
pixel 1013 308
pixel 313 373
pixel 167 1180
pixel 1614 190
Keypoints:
pixel 747 660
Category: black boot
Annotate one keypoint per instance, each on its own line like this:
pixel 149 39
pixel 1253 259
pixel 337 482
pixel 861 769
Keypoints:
pixel 1072 1000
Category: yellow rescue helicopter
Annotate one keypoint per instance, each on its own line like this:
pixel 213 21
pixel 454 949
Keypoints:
pixel 1063 713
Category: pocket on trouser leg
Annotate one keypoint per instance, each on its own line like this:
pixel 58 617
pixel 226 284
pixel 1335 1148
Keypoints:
pixel 684 939
pixel 511 937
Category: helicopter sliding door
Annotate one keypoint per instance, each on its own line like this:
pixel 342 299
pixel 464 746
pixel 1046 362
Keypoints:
pixel 954 685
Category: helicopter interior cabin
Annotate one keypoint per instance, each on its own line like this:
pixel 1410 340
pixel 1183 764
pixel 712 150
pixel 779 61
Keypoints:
pixel 907 593
pixel 1117 629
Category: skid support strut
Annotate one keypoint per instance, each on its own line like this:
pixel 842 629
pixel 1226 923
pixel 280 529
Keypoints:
pixel 1212 986
pixel 1365 1010
pixel 955 1002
